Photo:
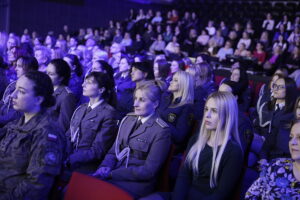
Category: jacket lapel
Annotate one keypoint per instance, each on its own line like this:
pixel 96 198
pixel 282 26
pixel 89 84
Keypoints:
pixel 128 129
pixel 81 113
pixel 91 114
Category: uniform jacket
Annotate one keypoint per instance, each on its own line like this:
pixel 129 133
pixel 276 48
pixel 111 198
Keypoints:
pixel 272 119
pixel 64 106
pixel 96 133
pixel 149 146
pixel 30 158
pixel 180 119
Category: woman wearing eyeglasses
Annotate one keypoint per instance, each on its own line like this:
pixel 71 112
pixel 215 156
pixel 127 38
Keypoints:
pixel 280 109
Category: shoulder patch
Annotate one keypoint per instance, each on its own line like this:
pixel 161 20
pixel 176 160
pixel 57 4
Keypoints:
pixel 171 117
pixel 161 123
pixel 51 158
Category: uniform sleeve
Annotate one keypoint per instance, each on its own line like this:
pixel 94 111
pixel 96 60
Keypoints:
pixel 233 162
pixel 104 139
pixel 183 125
pixel 44 164
pixel 157 155
pixel 110 159
pixel 67 108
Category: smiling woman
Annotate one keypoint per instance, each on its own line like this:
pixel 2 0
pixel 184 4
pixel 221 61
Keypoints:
pixel 281 178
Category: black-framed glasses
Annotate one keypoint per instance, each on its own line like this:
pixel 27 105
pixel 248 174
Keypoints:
pixel 278 87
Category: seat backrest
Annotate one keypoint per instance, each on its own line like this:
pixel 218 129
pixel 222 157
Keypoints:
pixel 83 187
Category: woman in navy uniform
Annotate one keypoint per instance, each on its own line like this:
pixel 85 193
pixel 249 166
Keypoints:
pixel 93 126
pixel 59 72
pixel 140 72
pixel 280 109
pixel 179 114
pixel 32 148
pixel 7 113
pixel 141 147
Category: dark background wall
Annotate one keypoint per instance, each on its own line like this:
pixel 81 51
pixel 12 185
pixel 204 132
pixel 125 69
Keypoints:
pixel 45 15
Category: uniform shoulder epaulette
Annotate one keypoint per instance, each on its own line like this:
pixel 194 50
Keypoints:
pixel 161 123
pixel 131 114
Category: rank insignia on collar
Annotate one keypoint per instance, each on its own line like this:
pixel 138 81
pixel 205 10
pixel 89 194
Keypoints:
pixel 171 117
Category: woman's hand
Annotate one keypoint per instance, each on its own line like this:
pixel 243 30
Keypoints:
pixel 103 172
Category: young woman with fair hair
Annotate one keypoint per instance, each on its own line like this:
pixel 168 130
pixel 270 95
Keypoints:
pixel 179 113
pixel 213 154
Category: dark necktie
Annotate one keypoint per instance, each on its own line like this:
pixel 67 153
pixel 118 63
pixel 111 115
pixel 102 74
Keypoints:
pixel 88 109
pixel 277 109
pixel 137 125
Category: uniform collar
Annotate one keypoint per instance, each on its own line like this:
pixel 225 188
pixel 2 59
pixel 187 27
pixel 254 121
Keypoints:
pixel 59 90
pixel 280 105
pixel 144 119
pixel 32 123
pixel 95 104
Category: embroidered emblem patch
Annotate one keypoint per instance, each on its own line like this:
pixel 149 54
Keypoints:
pixel 51 158
pixel 171 117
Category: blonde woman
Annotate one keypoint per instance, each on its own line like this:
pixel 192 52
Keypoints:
pixel 214 160
pixel 179 113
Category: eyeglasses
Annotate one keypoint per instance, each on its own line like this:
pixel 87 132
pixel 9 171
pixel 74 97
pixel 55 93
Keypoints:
pixel 278 87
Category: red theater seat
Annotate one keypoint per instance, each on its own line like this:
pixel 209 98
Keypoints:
pixel 83 187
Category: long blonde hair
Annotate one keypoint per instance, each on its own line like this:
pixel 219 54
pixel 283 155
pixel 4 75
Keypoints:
pixel 186 87
pixel 227 128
